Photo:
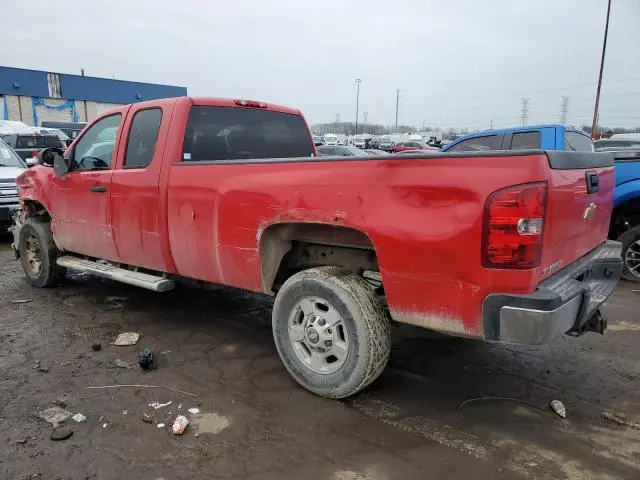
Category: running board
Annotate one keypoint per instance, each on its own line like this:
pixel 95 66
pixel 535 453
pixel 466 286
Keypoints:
pixel 106 270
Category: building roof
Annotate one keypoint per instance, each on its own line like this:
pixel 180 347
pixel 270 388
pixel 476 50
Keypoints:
pixel 35 83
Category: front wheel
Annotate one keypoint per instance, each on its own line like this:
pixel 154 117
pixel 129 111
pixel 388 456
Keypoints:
pixel 38 253
pixel 330 331
pixel 631 253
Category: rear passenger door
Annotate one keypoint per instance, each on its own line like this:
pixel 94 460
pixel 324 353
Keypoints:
pixel 137 204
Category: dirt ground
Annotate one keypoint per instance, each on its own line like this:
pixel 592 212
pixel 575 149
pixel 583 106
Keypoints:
pixel 256 423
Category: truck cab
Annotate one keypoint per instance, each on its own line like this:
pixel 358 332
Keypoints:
pixel 538 137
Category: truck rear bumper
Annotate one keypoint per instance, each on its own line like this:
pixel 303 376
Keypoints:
pixel 566 302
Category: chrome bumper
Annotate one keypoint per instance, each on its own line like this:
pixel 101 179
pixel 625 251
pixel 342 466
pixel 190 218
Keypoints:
pixel 567 302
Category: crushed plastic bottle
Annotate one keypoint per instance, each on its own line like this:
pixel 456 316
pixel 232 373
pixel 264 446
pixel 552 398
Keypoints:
pixel 179 425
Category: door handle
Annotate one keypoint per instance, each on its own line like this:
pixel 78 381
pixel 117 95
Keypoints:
pixel 593 182
pixel 98 188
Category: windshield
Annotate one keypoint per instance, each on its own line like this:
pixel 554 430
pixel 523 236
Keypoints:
pixel 8 158
pixel 356 152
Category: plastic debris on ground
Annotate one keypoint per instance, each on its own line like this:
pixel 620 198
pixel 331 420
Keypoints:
pixel 194 410
pixel 61 433
pixel 78 417
pixel 54 415
pixel 19 301
pixel 179 425
pixel 558 407
pixel 124 412
pixel 128 338
pixel 158 405
pixel 104 425
pixel 121 363
pixel 145 359
pixel 160 425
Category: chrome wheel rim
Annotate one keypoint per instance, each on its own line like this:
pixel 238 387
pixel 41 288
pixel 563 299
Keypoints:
pixel 33 255
pixel 318 335
pixel 632 258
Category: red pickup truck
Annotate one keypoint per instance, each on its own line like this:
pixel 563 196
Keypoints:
pixel 501 246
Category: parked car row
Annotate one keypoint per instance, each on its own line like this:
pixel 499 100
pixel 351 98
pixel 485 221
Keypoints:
pixel 29 141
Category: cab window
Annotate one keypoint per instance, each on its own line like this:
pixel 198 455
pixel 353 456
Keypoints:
pixel 94 151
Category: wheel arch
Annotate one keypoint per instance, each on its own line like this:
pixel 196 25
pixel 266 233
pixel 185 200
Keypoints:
pixel 287 248
pixel 625 215
pixel 34 208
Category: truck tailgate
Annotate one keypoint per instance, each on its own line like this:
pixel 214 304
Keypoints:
pixel 578 214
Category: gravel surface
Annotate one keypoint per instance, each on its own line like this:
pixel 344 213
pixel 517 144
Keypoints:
pixel 255 422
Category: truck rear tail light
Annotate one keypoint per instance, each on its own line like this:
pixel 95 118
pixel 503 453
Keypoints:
pixel 35 154
pixel 513 227
pixel 251 103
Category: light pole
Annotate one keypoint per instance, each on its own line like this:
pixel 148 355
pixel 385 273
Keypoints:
pixel 358 82
pixel 594 125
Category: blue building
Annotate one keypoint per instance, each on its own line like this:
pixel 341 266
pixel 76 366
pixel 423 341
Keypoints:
pixel 33 96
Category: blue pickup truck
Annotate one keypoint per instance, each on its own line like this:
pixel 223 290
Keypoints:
pixel 625 221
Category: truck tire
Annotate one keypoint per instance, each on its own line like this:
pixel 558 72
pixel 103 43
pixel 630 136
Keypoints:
pixel 631 253
pixel 331 332
pixel 38 253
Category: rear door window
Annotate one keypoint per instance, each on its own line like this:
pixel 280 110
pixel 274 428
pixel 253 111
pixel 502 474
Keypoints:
pixel 29 141
pixel 142 138
pixel 235 133
pixel 525 140
pixel 577 142
pixel 477 144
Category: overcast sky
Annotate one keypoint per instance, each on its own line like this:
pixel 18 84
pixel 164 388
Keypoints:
pixel 461 63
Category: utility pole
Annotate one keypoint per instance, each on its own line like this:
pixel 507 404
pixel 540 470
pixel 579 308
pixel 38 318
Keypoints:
pixel 525 110
pixel 358 82
pixel 364 121
pixel 337 117
pixel 564 112
pixel 397 106
pixel 594 125
pixel 491 125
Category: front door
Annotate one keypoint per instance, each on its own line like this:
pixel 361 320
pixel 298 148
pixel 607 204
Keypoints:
pixel 81 197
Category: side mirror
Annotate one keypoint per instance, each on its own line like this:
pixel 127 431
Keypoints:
pixel 32 162
pixel 55 157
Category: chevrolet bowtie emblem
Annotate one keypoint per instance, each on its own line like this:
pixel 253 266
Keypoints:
pixel 589 212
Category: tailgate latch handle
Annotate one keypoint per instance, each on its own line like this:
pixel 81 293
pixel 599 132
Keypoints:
pixel 593 182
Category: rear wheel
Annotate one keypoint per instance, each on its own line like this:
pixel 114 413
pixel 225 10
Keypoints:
pixel 631 253
pixel 38 253
pixel 330 331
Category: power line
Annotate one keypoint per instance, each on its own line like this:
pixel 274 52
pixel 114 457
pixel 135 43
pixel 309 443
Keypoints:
pixel 542 90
